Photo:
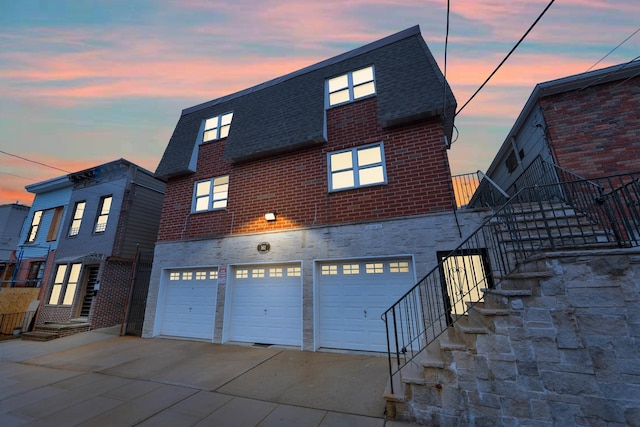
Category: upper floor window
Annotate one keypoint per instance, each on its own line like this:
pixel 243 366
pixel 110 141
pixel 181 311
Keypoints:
pixel 357 167
pixel 35 225
pixel 52 235
pixel 78 212
pixel 217 127
pixel 351 86
pixel 103 214
pixel 211 194
pixel 35 274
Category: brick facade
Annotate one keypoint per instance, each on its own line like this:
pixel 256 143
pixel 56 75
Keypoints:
pixel 596 131
pixel 111 300
pixel 295 184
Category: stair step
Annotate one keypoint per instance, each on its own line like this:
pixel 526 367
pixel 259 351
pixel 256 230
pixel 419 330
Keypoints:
pixel 412 374
pixel 39 336
pixel 480 308
pixel 525 275
pixel 508 292
pixel 465 325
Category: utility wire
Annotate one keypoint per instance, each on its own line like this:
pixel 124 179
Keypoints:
pixel 614 49
pixel 446 42
pixel 508 55
pixel 33 161
pixel 17 176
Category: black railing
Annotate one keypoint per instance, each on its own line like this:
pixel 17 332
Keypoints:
pixel 14 323
pixel 571 213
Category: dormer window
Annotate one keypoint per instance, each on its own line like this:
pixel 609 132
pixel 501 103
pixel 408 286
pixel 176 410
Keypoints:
pixel 351 86
pixel 217 127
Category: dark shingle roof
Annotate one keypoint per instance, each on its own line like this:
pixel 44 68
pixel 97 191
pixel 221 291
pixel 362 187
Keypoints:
pixel 287 113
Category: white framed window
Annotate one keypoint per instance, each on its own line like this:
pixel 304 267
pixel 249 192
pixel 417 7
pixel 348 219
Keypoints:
pixel 242 274
pixel 78 213
pixel 257 272
pixel 65 284
pixel 350 87
pixel 357 167
pixel 275 272
pixel 174 275
pixel 211 194
pixel 35 225
pixel 217 127
pixel 103 215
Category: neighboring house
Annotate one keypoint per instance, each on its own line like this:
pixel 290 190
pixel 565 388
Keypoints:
pixel 113 213
pixel 586 123
pixel 41 232
pixel 12 217
pixel 298 210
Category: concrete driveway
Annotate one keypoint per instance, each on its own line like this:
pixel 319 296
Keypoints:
pixel 100 379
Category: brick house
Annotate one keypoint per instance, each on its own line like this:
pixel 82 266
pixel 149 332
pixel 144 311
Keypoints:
pixel 298 210
pixel 110 213
pixel 587 123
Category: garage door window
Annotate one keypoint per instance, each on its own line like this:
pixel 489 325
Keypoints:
pixel 329 270
pixel 351 269
pixel 293 271
pixel 374 268
pixel 398 267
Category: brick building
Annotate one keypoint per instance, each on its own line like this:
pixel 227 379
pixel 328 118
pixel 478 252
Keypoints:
pixel 587 123
pixel 298 210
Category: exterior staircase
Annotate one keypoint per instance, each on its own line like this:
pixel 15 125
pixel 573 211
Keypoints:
pixel 480 371
pixel 51 331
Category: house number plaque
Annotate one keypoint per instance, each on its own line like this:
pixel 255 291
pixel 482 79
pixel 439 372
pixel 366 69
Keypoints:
pixel 264 247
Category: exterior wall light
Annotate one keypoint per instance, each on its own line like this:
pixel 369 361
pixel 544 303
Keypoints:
pixel 270 216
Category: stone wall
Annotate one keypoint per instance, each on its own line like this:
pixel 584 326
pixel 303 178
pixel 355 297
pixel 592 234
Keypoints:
pixel 568 355
pixel 421 237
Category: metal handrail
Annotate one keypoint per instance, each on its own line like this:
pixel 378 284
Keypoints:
pixel 570 213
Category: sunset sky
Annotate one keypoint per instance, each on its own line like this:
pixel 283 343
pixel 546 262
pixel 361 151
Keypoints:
pixel 86 82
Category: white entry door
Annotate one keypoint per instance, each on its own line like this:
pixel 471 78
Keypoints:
pixel 266 304
pixel 190 303
pixel 352 295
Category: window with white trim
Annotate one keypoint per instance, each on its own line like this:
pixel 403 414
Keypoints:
pixel 211 194
pixel 103 215
pixel 357 167
pixel 35 225
pixel 65 284
pixel 217 127
pixel 350 87
pixel 78 213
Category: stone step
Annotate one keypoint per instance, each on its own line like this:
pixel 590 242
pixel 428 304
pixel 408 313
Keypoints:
pixel 39 336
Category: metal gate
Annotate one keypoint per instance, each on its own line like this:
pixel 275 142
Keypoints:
pixel 138 296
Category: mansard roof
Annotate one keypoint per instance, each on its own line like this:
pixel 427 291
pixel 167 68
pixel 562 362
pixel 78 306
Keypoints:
pixel 288 113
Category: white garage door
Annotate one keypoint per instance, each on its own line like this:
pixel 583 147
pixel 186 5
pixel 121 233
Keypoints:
pixel 266 304
pixel 190 303
pixel 352 295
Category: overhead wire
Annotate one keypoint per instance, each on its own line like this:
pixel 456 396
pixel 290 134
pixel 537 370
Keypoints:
pixel 506 57
pixel 33 161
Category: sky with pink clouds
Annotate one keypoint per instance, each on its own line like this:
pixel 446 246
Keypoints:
pixel 86 82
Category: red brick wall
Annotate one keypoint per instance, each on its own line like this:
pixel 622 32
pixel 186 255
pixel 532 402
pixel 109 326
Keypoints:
pixel 295 184
pixel 596 131
pixel 107 308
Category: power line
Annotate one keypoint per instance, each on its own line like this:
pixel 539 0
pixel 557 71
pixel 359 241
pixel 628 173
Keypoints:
pixel 33 161
pixel 508 55
pixel 614 49
pixel 17 176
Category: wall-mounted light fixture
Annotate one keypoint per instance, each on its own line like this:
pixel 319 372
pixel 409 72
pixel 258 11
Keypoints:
pixel 270 216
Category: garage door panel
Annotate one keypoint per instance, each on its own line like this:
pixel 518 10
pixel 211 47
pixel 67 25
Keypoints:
pixel 266 309
pixel 350 305
pixel 189 305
